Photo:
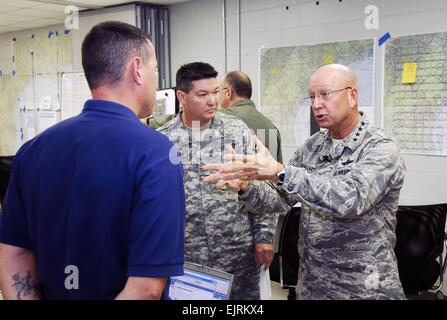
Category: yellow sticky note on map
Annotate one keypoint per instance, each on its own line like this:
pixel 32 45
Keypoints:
pixel 409 74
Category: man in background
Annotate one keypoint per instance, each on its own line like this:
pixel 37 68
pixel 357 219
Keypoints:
pixel 234 98
pixel 220 232
pixel 95 208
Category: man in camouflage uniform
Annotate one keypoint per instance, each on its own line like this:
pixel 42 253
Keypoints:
pixel 219 232
pixel 347 179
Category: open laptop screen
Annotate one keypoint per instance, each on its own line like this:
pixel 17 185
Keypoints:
pixel 200 283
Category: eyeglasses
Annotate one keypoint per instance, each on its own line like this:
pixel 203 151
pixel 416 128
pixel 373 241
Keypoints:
pixel 325 96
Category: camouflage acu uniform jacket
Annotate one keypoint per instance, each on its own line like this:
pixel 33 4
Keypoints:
pixel 349 198
pixel 219 232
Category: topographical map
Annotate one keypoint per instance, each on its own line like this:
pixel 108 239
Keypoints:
pixel 33 86
pixel 285 74
pixel 415 113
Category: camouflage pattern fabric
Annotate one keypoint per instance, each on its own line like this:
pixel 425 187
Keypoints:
pixel 159 121
pixel 219 231
pixel 349 196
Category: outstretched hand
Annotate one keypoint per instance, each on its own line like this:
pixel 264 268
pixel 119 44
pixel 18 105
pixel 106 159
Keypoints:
pixel 233 184
pixel 260 166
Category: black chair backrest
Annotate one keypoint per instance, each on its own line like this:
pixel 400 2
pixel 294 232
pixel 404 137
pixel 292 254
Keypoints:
pixel 420 234
pixel 420 230
pixel 288 247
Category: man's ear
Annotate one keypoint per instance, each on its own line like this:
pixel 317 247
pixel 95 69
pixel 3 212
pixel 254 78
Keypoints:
pixel 230 93
pixel 353 97
pixel 136 70
pixel 181 96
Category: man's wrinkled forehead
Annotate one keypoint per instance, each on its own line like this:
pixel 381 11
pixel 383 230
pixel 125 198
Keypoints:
pixel 324 79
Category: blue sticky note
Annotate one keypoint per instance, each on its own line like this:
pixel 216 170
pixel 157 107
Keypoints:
pixel 13 72
pixel 50 34
pixel 66 31
pixel 385 37
pixel 32 53
pixel 32 36
pixel 57 33
pixel 14 39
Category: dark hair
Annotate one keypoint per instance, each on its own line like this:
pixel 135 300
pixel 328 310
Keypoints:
pixel 240 83
pixel 108 47
pixel 193 71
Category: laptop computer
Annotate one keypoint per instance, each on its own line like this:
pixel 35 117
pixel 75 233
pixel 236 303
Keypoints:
pixel 201 283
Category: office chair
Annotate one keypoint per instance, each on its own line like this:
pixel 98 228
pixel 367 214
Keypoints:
pixel 284 268
pixel 420 241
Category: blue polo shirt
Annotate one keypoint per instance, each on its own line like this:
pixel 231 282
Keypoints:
pixel 97 192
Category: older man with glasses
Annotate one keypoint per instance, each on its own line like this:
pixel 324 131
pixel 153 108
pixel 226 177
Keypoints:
pixel 347 179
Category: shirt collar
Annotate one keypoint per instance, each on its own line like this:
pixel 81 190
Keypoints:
pixel 243 102
pixel 109 107
pixel 211 125
pixel 352 141
pixel 358 134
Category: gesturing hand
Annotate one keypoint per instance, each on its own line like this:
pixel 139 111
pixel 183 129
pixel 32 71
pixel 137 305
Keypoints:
pixel 260 166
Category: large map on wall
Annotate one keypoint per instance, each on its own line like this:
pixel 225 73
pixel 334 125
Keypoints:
pixel 284 77
pixel 415 111
pixel 31 94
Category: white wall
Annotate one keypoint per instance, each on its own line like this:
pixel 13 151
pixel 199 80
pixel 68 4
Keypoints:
pixel 197 35
pixel 87 19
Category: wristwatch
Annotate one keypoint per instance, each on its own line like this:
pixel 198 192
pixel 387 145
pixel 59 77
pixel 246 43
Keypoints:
pixel 280 177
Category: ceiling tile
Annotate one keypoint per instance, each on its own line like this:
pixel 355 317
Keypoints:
pixel 18 15
pixel 34 12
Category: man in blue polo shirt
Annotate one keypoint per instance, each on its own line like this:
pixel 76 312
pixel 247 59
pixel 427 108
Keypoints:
pixel 95 209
